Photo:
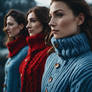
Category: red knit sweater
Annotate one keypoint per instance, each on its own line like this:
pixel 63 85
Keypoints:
pixel 16 45
pixel 31 69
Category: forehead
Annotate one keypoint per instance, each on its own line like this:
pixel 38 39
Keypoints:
pixel 31 15
pixel 10 19
pixel 58 5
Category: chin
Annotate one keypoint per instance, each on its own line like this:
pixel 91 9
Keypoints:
pixel 57 37
pixel 10 36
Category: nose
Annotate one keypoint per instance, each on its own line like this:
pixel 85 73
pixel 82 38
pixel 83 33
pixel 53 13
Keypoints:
pixel 6 28
pixel 52 22
pixel 28 25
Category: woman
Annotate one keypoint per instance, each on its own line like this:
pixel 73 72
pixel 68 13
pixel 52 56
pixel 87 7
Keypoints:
pixel 15 27
pixel 69 67
pixel 31 69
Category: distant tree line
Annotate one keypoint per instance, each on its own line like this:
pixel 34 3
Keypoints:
pixel 5 5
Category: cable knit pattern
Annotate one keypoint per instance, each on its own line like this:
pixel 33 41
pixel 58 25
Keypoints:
pixel 31 69
pixel 70 47
pixel 69 69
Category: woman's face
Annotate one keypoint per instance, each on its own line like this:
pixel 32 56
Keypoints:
pixel 63 23
pixel 33 25
pixel 13 28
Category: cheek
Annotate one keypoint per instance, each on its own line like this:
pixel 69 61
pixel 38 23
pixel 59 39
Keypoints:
pixel 69 24
pixel 37 25
pixel 64 22
pixel 38 28
pixel 67 27
pixel 13 27
pixel 16 30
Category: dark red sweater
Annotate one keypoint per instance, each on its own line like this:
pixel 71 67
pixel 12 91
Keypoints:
pixel 31 69
pixel 16 45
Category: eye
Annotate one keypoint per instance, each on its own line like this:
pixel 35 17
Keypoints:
pixel 33 20
pixel 59 14
pixel 10 24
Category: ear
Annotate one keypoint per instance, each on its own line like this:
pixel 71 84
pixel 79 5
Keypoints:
pixel 81 19
pixel 21 26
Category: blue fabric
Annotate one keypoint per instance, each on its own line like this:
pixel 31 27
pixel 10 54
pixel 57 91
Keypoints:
pixel 12 76
pixel 74 73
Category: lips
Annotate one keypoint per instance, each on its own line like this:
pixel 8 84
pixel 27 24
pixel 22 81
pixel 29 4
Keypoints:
pixel 29 30
pixel 8 32
pixel 54 31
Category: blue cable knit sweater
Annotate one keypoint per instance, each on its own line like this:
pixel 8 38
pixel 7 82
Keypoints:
pixel 69 69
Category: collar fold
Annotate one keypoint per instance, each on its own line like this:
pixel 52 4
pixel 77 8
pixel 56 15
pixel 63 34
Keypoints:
pixel 35 42
pixel 71 46
pixel 16 45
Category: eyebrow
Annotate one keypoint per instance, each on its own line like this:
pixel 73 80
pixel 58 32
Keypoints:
pixel 58 10
pixel 32 19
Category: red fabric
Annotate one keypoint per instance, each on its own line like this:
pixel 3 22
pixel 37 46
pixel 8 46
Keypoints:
pixel 31 69
pixel 15 45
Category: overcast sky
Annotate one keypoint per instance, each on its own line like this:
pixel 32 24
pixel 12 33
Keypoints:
pixel 43 2
pixel 47 2
pixel 89 1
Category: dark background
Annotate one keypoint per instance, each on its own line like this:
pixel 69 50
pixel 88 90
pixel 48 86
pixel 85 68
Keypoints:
pixel 5 5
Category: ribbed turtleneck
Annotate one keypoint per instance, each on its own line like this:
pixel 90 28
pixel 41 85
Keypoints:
pixel 35 42
pixel 16 45
pixel 71 46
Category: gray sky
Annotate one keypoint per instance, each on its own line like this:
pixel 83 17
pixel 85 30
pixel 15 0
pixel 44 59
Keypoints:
pixel 43 2
pixel 47 2
pixel 89 1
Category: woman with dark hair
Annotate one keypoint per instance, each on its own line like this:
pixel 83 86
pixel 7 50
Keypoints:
pixel 31 69
pixel 69 67
pixel 15 28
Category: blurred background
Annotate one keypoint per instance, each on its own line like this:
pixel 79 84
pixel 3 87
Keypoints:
pixel 23 5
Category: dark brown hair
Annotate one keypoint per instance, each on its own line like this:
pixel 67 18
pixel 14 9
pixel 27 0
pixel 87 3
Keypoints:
pixel 77 7
pixel 20 18
pixel 42 14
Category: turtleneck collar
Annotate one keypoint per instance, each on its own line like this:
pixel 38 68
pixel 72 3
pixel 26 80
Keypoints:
pixel 35 42
pixel 71 46
pixel 15 45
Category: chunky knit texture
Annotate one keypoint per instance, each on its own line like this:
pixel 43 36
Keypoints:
pixel 69 69
pixel 16 45
pixel 18 50
pixel 31 69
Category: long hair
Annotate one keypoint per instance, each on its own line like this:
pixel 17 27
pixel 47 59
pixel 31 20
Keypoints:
pixel 77 7
pixel 42 14
pixel 20 18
